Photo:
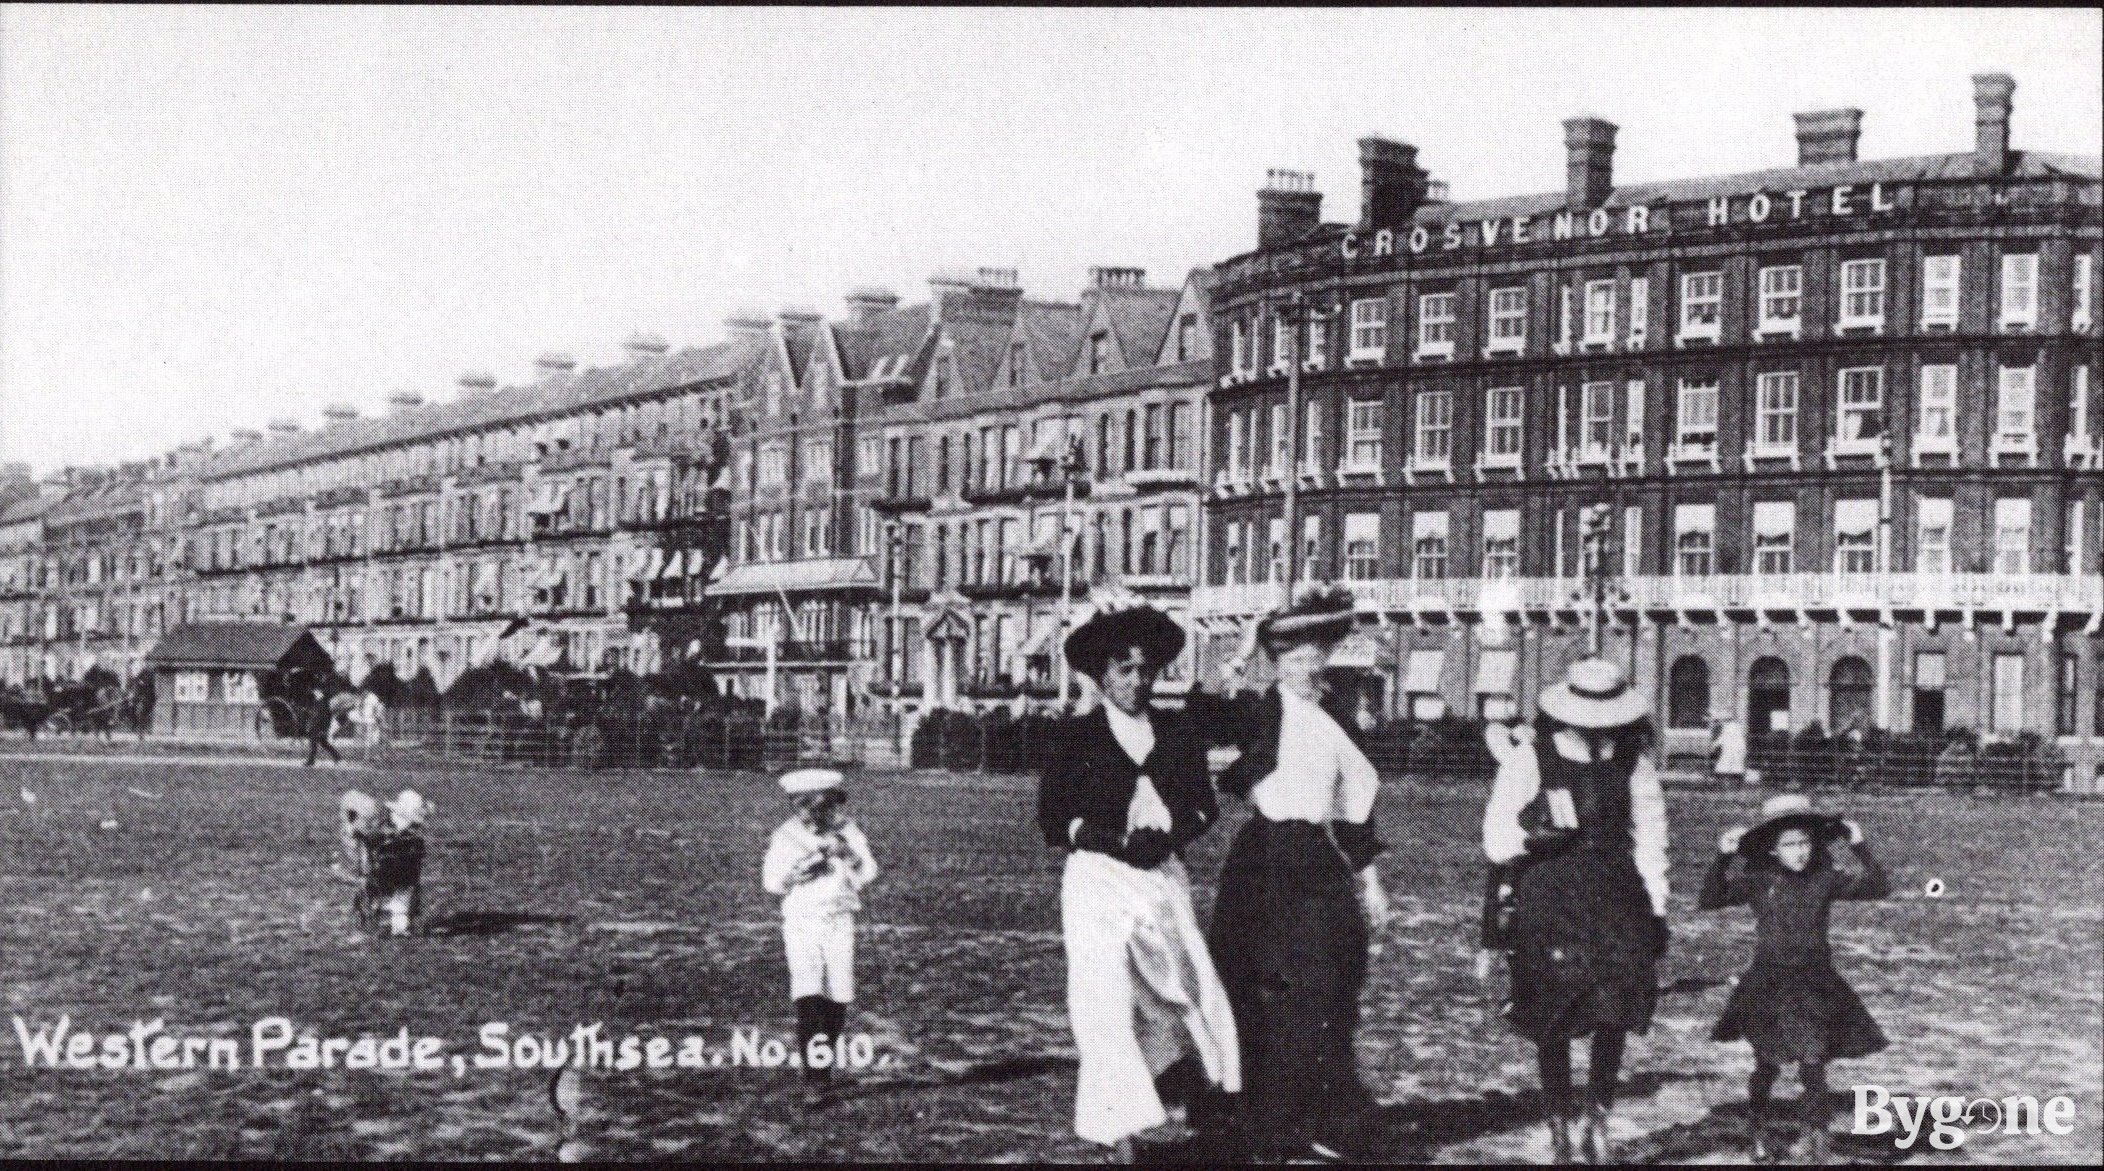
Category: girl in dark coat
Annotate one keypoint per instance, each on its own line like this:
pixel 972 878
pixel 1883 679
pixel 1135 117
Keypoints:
pixel 1577 821
pixel 1791 1004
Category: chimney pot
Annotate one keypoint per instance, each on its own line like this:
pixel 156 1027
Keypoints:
pixel 997 278
pixel 1391 184
pixel 284 426
pixel 1288 207
pixel 1117 278
pixel 402 400
pixel 643 346
pixel 554 365
pixel 866 303
pixel 1828 136
pixel 1589 150
pixel 476 382
pixel 1991 109
pixel 339 412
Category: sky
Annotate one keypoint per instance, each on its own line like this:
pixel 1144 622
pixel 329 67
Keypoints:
pixel 214 217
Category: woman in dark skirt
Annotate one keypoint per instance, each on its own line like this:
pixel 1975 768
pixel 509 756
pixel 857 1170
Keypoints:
pixel 1578 822
pixel 1299 895
pixel 1792 1005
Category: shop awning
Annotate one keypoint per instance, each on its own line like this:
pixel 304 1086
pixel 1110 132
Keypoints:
pixel 1495 671
pixel 1425 668
pixel 1774 518
pixel 652 565
pixel 1855 518
pixel 810 575
pixel 548 499
pixel 1035 644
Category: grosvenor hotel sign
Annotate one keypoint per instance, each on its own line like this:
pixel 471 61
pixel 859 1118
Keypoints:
pixel 1761 207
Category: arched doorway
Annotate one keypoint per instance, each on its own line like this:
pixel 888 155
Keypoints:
pixel 1768 697
pixel 1688 693
pixel 1849 688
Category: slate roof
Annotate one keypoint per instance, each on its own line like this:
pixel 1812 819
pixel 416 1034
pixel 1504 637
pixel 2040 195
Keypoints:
pixel 1051 334
pixel 232 645
pixel 2028 165
pixel 1139 319
pixel 562 393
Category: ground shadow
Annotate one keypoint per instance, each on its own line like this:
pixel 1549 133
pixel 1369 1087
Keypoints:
pixel 1724 1131
pixel 492 922
pixel 1690 984
pixel 981 1073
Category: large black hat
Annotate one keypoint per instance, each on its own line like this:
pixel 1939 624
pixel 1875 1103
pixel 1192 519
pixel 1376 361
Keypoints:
pixel 1091 646
pixel 1322 617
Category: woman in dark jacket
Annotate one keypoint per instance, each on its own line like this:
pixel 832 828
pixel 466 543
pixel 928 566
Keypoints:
pixel 1791 1004
pixel 1578 821
pixel 1125 791
pixel 1299 894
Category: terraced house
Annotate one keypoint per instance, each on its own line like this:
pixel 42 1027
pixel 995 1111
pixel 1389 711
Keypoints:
pixel 588 501
pixel 1034 418
pixel 1834 426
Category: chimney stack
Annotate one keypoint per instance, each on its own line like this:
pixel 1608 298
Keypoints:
pixel 642 347
pixel 1991 107
pixel 1828 136
pixel 1117 278
pixel 864 304
pixel 746 323
pixel 554 365
pixel 996 280
pixel 1391 184
pixel 798 316
pixel 339 412
pixel 284 427
pixel 476 382
pixel 1288 207
pixel 403 400
pixel 244 436
pixel 1589 173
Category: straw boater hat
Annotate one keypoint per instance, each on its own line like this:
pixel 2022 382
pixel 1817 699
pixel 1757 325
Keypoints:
pixel 1788 811
pixel 1091 646
pixel 1322 617
pixel 1595 693
pixel 811 780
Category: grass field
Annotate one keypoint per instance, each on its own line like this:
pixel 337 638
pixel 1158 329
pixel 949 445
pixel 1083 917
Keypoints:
pixel 559 899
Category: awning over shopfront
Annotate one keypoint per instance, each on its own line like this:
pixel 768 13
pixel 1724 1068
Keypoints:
pixel 810 575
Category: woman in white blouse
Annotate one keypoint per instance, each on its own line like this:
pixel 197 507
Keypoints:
pixel 1299 894
pixel 1577 821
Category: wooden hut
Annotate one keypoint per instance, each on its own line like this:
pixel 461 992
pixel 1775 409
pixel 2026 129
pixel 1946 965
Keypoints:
pixel 219 679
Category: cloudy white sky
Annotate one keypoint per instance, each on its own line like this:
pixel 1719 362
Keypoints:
pixel 213 217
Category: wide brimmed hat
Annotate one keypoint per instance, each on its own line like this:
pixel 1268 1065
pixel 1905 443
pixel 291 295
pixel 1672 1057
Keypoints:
pixel 1091 646
pixel 1595 693
pixel 1322 617
pixel 811 780
pixel 1784 812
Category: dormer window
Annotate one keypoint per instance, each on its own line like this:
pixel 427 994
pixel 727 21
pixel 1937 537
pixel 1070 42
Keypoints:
pixel 1187 337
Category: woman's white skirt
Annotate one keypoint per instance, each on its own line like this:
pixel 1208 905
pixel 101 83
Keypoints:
pixel 1141 991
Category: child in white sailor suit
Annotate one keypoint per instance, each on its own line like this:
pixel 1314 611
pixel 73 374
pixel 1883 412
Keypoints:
pixel 818 862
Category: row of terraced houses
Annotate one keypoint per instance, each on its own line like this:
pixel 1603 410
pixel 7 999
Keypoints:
pixel 1833 428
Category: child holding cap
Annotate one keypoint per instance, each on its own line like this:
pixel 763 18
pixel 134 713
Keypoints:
pixel 818 862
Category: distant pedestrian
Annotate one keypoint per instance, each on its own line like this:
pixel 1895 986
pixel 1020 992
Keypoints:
pixel 319 719
pixel 1578 822
pixel 1728 751
pixel 394 859
pixel 1792 1005
pixel 818 861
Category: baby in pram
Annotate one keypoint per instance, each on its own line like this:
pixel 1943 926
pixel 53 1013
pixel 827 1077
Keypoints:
pixel 383 847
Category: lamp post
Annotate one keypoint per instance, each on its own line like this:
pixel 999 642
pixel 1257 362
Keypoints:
pixel 1070 469
pixel 1884 564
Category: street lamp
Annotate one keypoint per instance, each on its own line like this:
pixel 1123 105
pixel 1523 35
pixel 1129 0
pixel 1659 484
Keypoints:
pixel 1070 468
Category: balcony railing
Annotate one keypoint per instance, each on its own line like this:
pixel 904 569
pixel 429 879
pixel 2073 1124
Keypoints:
pixel 2000 593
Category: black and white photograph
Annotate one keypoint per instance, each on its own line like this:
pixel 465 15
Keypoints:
pixel 1093 585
